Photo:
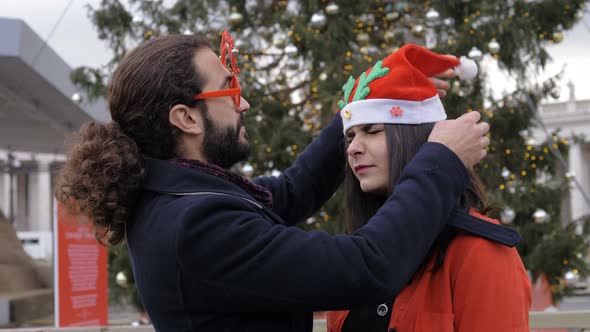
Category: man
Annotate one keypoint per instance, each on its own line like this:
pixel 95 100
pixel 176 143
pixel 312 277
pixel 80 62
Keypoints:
pixel 212 251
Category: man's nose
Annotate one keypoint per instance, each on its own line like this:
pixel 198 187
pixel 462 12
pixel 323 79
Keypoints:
pixel 244 105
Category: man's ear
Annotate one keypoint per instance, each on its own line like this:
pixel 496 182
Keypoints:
pixel 187 119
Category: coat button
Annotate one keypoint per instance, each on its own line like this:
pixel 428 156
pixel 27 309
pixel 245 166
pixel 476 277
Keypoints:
pixel 392 329
pixel 382 310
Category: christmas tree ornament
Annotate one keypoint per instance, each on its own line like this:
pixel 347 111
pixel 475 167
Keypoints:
pixel 121 280
pixel 449 21
pixel 507 216
pixel 570 175
pixel 432 15
pixel 557 37
pixel 392 49
pixel 235 18
pixel 291 50
pixel 494 46
pixel 540 216
pixel 318 20
pixel 293 64
pixel 392 16
pixel 279 41
pixel 531 141
pixel 235 52
pixel 332 8
pixel 323 76
pixel 505 173
pixel 363 38
pixel 389 36
pixel 247 170
pixel 137 19
pixel 76 98
pixel 475 54
pixel 418 30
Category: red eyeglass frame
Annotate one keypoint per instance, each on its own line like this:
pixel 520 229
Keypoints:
pixel 235 90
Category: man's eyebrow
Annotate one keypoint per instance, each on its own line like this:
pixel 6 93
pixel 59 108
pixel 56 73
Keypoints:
pixel 226 81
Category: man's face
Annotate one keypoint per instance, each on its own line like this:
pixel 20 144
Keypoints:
pixel 225 139
pixel 223 146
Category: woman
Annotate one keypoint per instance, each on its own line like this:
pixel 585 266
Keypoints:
pixel 466 283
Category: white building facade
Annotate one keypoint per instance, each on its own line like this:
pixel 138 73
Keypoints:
pixel 36 115
pixel 572 117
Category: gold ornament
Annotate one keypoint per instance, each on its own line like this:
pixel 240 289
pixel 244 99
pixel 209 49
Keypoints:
pixel 347 114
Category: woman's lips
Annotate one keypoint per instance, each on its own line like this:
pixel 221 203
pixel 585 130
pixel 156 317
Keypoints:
pixel 362 169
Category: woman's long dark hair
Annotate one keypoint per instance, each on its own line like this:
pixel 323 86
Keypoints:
pixel 104 169
pixel 403 143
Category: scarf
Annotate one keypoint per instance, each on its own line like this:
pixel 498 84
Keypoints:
pixel 260 193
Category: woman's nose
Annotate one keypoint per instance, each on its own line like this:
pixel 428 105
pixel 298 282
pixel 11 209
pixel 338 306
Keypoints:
pixel 355 147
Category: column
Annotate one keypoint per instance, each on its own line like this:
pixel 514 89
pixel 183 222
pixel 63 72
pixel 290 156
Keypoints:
pixel 40 209
pixel 577 162
pixel 4 191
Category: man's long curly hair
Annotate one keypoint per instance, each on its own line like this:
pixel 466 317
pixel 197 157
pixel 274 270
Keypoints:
pixel 104 168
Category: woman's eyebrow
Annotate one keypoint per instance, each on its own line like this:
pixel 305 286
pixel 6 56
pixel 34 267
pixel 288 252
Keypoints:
pixel 368 127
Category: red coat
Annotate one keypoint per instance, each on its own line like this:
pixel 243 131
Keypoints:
pixel 481 286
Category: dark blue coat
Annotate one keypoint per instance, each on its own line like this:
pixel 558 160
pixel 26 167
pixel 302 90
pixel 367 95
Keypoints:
pixel 207 257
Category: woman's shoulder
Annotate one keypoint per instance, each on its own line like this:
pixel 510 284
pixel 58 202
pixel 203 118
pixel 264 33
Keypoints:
pixel 472 246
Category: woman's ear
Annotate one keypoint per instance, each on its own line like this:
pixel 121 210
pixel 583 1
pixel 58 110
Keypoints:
pixel 187 119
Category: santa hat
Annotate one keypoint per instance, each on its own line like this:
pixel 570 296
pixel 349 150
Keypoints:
pixel 397 89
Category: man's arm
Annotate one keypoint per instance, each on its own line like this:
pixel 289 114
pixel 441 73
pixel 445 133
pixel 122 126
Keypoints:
pixel 233 259
pixel 314 177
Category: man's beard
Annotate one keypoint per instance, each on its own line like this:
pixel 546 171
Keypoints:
pixel 222 146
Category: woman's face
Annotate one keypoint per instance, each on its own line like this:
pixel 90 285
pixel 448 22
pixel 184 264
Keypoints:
pixel 368 157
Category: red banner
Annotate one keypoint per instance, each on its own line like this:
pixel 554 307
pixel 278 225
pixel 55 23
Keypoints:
pixel 81 281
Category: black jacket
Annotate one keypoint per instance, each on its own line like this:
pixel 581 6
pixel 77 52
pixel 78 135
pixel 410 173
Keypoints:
pixel 207 257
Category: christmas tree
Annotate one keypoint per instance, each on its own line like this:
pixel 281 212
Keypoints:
pixel 295 55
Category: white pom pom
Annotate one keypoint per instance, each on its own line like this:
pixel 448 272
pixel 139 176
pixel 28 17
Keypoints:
pixel 467 69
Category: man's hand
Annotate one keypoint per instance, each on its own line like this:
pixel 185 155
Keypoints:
pixel 443 86
pixel 464 136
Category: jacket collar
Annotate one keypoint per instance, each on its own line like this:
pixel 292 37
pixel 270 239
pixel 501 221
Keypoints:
pixel 165 177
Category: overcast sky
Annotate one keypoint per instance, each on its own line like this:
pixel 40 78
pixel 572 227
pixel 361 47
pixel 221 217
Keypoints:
pixel 76 42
